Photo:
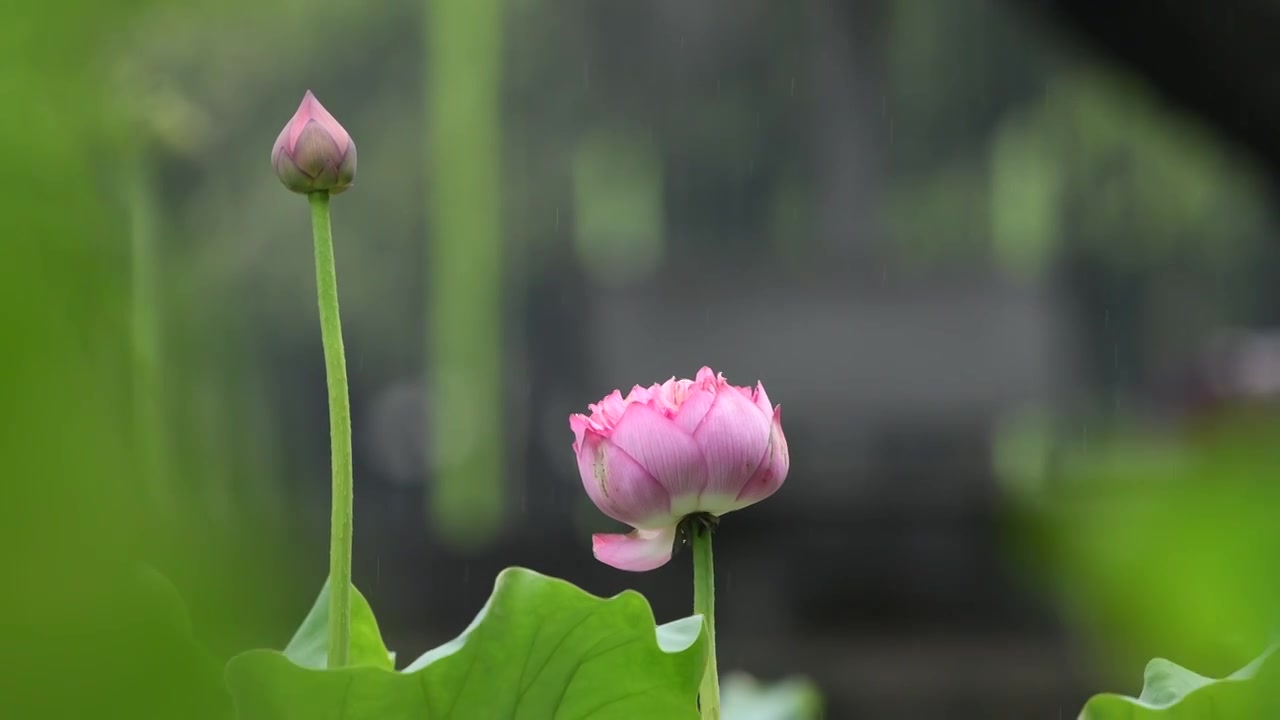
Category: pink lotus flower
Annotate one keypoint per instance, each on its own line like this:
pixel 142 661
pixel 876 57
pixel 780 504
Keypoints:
pixel 673 450
pixel 314 152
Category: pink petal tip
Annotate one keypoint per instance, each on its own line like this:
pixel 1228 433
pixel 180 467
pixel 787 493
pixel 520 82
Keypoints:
pixel 637 551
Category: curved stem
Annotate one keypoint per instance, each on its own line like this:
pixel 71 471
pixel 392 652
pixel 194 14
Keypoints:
pixel 704 604
pixel 335 366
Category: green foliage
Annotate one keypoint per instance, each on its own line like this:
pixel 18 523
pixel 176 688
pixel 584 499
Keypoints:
pixel 1050 154
pixel 540 648
pixel 1144 534
pixel 310 645
pixel 87 635
pixel 1164 544
pixel 127 652
pixel 617 179
pixel 1143 185
pixel 940 217
pixel 1172 691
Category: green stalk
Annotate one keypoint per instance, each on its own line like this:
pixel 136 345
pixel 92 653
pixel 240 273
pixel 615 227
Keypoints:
pixel 704 604
pixel 144 284
pixel 335 366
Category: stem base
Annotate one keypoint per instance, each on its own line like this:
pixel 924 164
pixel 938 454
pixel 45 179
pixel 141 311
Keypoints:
pixel 697 529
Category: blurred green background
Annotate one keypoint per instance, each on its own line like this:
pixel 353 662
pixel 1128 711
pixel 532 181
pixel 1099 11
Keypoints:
pixel 1021 310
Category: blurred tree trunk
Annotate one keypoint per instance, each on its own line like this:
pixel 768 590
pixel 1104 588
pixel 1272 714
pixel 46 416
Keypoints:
pixel 465 269
pixel 847 143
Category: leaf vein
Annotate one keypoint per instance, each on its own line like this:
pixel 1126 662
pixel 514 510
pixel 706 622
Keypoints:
pixel 577 624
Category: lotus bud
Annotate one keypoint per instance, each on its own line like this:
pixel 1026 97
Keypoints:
pixel 314 153
pixel 680 448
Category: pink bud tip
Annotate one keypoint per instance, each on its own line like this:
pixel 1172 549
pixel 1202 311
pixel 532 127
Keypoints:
pixel 314 152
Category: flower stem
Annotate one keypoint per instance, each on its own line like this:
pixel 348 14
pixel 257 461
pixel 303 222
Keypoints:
pixel 335 365
pixel 704 604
